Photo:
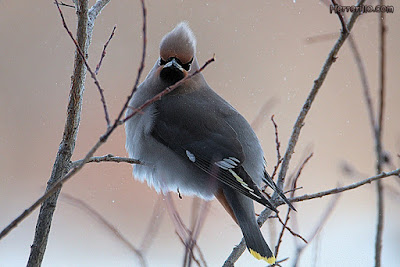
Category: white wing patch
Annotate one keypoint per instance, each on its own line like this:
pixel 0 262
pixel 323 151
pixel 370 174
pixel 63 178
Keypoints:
pixel 228 163
pixel 190 155
pixel 234 159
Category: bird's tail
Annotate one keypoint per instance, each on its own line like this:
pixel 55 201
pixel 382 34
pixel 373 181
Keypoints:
pixel 243 210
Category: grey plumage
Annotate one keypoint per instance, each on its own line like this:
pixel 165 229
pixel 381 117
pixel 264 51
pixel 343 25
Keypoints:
pixel 194 141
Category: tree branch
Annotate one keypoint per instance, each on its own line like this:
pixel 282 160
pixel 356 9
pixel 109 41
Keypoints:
pixel 341 189
pixel 66 147
pixel 378 139
pixel 344 28
pixel 109 158
pixel 239 249
pixel 307 105
pixel 103 54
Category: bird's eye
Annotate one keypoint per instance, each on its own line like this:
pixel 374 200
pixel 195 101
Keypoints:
pixel 187 65
pixel 162 61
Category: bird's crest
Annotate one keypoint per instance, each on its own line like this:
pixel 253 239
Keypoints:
pixel 179 43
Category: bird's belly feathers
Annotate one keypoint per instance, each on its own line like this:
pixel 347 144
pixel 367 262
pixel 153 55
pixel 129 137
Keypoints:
pixel 162 168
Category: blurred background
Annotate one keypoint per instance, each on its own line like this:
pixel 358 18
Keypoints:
pixel 265 51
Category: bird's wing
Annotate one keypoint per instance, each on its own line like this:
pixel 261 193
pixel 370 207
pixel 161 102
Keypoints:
pixel 199 133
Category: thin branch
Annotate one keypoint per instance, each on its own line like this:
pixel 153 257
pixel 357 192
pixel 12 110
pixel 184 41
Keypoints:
pixel 378 137
pixel 83 56
pixel 95 10
pixel 292 190
pixel 317 85
pixel 64 4
pixel 107 158
pixel 284 224
pixel 278 152
pixel 239 249
pixel 103 54
pixel 284 227
pixel 344 28
pixel 341 189
pixel 199 214
pixel 181 230
pixel 106 224
pixel 154 225
pixel 364 81
pixel 277 142
pixel 298 173
pixel 291 231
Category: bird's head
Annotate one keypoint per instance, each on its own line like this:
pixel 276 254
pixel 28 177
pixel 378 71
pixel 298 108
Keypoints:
pixel 177 54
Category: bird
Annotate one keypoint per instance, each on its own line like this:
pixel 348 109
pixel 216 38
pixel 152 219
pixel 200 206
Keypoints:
pixel 194 142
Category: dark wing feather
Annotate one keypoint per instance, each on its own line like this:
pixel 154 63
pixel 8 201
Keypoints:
pixel 268 180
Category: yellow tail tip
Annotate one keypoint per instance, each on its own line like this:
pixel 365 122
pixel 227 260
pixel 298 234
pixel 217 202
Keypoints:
pixel 270 260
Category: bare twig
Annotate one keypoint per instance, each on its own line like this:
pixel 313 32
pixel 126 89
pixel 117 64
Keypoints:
pixel 344 28
pixel 284 224
pixel 109 158
pixel 154 225
pixel 341 189
pixel 239 249
pixel 290 230
pixel 364 81
pixel 182 231
pixel 378 137
pixel 106 224
pixel 317 85
pixel 64 4
pixel 298 173
pixel 278 151
pixel 284 227
pixel 103 54
pixel 278 144
pixel 199 214
pixel 94 76
pixel 292 190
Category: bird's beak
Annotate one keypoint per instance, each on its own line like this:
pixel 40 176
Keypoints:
pixel 173 64
pixel 172 71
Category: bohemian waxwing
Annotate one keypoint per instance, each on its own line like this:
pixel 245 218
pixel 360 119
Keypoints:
pixel 194 141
